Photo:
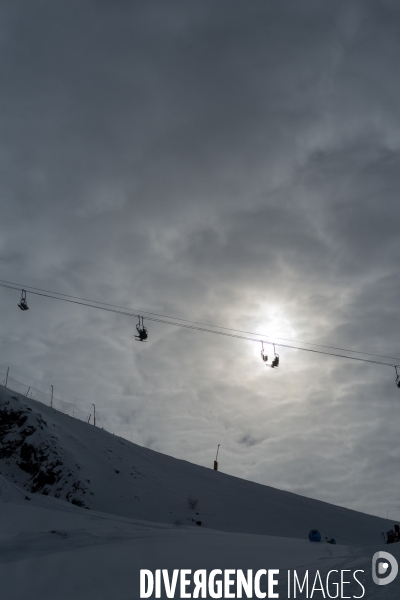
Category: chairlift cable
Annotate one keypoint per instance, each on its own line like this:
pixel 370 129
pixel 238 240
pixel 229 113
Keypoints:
pixel 56 295
pixel 204 329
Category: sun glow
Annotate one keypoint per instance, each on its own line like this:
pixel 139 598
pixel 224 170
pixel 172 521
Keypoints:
pixel 273 327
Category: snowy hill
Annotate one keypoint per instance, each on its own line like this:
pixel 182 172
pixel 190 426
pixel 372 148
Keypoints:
pixel 51 549
pixel 48 452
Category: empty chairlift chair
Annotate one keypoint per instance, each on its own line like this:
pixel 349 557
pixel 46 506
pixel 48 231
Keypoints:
pixel 264 356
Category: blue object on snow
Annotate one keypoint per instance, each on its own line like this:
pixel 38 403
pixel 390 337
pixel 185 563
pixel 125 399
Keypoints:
pixel 314 535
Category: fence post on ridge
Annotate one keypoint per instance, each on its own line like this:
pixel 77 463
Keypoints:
pixel 51 401
pixel 8 368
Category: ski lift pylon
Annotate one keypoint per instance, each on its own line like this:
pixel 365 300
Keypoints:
pixel 142 331
pixel 23 303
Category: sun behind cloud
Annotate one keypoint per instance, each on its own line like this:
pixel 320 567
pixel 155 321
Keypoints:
pixel 275 326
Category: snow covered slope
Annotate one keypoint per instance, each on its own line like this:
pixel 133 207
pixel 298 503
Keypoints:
pixel 51 549
pixel 45 451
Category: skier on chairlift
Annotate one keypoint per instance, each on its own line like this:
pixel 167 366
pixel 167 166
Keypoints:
pixel 397 378
pixel 22 303
pixel 275 362
pixel 142 331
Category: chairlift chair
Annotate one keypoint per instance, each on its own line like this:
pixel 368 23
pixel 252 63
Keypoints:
pixel 142 331
pixel 263 355
pixel 23 303
pixel 397 378
pixel 275 362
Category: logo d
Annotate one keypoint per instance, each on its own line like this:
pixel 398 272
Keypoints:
pixel 383 567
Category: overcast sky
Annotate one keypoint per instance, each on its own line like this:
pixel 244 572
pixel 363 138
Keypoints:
pixel 235 163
